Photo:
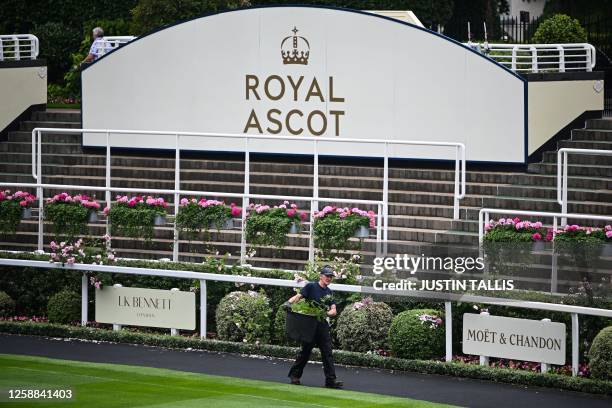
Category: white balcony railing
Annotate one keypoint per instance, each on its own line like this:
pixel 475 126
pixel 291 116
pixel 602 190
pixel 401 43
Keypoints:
pixel 536 58
pixel 16 47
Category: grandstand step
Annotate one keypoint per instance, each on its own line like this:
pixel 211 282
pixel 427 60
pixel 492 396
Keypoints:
pixel 592 135
pixel 30 125
pixel 599 124
pixel 60 115
pixel 583 144
pixel 576 159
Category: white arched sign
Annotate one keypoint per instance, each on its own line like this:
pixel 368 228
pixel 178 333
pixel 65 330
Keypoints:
pixel 308 71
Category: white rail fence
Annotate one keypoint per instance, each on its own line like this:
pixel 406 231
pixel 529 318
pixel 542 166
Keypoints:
pixel 110 43
pixel 203 278
pixel 459 180
pixel 540 57
pixel 562 174
pixel 16 47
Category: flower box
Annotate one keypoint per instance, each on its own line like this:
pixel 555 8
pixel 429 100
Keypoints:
pixel 267 225
pixel 69 215
pixel 93 217
pixel 14 207
pixel 300 327
pixel 159 220
pixel 136 216
pixel 334 227
pixel 362 232
pixel 26 213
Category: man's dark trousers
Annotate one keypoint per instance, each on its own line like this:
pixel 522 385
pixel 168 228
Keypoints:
pixel 323 341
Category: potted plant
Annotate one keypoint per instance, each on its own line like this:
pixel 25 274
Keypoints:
pixel 577 238
pixel 136 216
pixel 267 225
pixel 515 230
pixel 334 227
pixel 14 207
pixel 68 214
pixel 302 318
pixel 195 216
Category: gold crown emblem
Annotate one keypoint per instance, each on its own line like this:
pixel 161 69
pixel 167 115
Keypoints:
pixel 295 49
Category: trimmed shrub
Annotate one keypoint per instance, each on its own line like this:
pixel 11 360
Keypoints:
pixel 417 334
pixel 64 307
pixel 600 355
pixel 244 316
pixel 364 326
pixel 7 305
pixel 559 29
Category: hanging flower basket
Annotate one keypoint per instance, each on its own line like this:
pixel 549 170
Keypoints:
pixel 267 225
pixel 334 227
pixel 69 215
pixel 136 216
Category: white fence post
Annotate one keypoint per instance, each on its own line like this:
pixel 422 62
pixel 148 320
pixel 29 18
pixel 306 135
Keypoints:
pixel 84 299
pixel 202 309
pixel 484 360
pixel 575 344
pixel 448 317
pixel 174 332
pixel 117 327
pixel 544 366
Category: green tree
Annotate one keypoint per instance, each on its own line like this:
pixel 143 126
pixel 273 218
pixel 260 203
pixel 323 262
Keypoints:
pixel 559 29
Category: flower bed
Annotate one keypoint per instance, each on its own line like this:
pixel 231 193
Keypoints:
pixel 267 225
pixel 135 216
pixel 12 207
pixel 334 227
pixel 69 214
pixel 200 215
pixel 91 251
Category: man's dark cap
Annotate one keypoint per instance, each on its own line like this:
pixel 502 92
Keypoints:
pixel 327 271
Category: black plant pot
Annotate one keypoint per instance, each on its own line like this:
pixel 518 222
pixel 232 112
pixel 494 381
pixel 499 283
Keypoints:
pixel 300 327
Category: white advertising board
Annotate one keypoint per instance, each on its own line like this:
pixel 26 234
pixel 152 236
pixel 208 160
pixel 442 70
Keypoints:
pixel 521 339
pixel 170 309
pixel 308 71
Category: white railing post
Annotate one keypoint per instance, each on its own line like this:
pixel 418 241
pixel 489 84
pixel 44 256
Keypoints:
pixel 245 199
pixel 544 366
pixel 513 66
pixel 84 299
pixel 564 188
pixel 107 193
pixel 17 53
pixel 1 50
pixel 575 345
pixel 40 192
pixel 202 309
pixel 378 230
pixel 587 52
pixel 448 317
pixel 554 271
pixel 484 360
pixel 117 327
pixel 456 192
pixel 177 187
pixel 314 204
pixel 386 198
pixel 174 332
pixel 534 58
pixel 561 58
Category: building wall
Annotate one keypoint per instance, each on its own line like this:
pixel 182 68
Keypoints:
pixel 20 88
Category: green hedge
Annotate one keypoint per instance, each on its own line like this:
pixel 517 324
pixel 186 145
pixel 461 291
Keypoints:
pixel 412 337
pixel 64 307
pixel 341 357
pixel 600 355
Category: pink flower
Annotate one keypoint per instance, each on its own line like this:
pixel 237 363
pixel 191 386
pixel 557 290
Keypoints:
pixel 184 201
pixel 303 215
pixel 609 234
pixel 236 211
pixel 291 212
pixel 132 203
pixel 106 210
pixel 23 203
pixel 537 236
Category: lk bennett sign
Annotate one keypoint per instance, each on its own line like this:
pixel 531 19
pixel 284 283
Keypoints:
pixel 521 339
pixel 306 71
pixel 146 307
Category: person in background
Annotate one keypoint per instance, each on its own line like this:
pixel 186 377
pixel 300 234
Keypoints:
pixel 99 47
pixel 319 292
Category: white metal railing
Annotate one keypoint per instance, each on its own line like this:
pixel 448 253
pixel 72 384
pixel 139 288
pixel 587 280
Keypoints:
pixel 15 47
pixel 177 193
pixel 540 57
pixel 108 44
pixel 562 188
pixel 460 166
pixel 203 278
pixel 483 219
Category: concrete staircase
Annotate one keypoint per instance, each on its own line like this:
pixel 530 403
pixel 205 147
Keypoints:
pixel 420 198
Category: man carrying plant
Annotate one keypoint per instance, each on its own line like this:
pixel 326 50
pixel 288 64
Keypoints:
pixel 318 293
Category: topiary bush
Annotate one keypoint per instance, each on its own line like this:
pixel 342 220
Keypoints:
pixel 559 29
pixel 244 316
pixel 417 334
pixel 364 326
pixel 600 355
pixel 7 305
pixel 64 307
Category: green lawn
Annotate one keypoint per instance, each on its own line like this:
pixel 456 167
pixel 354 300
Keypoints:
pixel 108 385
